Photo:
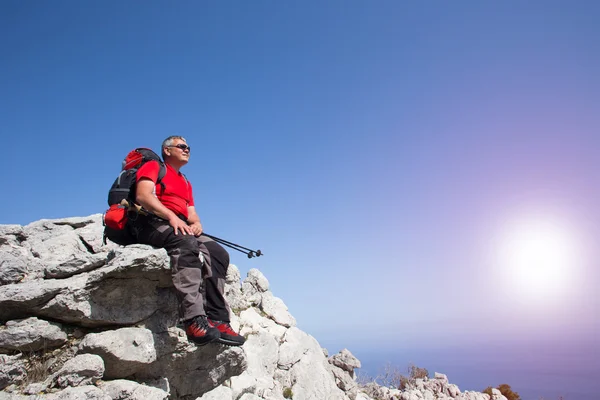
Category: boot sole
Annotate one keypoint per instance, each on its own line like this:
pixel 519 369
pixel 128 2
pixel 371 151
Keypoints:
pixel 229 342
pixel 190 339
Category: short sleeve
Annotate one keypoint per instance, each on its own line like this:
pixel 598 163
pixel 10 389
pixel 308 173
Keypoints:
pixel 149 171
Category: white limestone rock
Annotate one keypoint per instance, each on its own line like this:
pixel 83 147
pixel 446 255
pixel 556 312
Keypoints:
pixel 252 322
pixel 12 370
pixel 233 290
pixel 440 377
pixel 307 367
pixel 296 344
pixel 344 380
pixel 64 245
pixel 346 361
pixel 250 396
pixel 497 395
pixel 470 395
pixel 161 383
pixel 263 354
pixel 258 280
pixel 82 370
pixel 25 298
pixel 76 264
pixel 275 309
pixel 124 292
pixel 14 263
pixel 79 393
pixel 453 390
pixel 16 396
pixel 254 286
pixel 92 235
pixel 124 351
pixel 244 383
pixel 12 234
pixel 361 396
pixel 121 389
pixel 192 370
pixel 31 334
pixel 220 393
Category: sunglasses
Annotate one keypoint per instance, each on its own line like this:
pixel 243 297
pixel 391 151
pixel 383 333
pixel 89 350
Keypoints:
pixel 183 147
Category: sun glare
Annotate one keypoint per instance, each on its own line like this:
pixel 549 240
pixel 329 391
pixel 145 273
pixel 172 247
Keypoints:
pixel 538 259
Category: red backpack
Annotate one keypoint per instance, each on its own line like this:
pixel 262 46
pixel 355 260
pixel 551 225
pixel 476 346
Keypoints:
pixel 116 227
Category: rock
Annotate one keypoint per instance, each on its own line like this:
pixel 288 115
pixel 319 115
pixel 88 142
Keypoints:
pixel 125 351
pixel 251 322
pixel 250 396
pixel 468 395
pixel 220 393
pixel 233 291
pixel 84 369
pixel 97 298
pixel 27 298
pixel 344 381
pixel 497 395
pixel 308 376
pixel 16 396
pixel 346 361
pixel 193 371
pixel 74 265
pixel 31 334
pixel 257 280
pixel 267 346
pixel 13 264
pixel 12 370
pixel 245 383
pixel 79 393
pixel 121 389
pixel 275 309
pixel 35 388
pixel 441 377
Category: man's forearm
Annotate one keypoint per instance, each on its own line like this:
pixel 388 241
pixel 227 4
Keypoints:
pixel 193 219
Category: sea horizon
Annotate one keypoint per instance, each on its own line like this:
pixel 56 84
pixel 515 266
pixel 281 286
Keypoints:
pixel 570 373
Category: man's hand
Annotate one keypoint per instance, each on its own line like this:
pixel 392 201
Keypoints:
pixel 180 225
pixel 194 221
pixel 196 228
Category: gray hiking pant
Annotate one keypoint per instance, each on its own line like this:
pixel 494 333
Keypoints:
pixel 188 270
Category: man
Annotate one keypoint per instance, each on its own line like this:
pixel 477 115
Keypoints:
pixel 175 226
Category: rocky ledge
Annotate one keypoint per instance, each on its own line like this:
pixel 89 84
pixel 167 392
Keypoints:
pixel 83 320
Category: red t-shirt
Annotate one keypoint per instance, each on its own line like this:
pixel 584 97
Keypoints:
pixel 177 195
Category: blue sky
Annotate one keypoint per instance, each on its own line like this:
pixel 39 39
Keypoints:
pixel 374 151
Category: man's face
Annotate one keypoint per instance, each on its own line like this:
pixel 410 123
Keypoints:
pixel 178 151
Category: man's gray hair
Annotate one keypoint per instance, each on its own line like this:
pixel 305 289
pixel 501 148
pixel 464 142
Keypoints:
pixel 169 142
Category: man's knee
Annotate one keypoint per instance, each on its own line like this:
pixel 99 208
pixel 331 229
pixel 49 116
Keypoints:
pixel 218 253
pixel 185 252
pixel 188 243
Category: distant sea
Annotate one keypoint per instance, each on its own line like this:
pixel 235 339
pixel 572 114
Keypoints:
pixel 547 373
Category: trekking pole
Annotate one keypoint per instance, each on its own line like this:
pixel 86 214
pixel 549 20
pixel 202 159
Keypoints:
pixel 249 252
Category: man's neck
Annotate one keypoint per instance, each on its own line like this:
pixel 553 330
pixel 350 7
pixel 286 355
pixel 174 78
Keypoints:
pixel 175 166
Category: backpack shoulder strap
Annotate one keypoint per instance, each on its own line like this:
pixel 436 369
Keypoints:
pixel 162 171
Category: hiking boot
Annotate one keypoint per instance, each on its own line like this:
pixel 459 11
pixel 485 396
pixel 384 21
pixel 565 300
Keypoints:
pixel 228 335
pixel 199 331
